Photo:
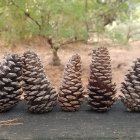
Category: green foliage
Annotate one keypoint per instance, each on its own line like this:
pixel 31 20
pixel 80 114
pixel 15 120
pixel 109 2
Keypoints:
pixel 118 37
pixel 123 33
pixel 60 20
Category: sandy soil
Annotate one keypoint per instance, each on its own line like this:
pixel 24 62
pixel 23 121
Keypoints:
pixel 121 57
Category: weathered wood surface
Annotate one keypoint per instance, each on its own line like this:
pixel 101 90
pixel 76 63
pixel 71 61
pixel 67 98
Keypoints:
pixel 117 124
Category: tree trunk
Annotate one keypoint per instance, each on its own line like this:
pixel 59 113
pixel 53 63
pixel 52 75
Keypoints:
pixel 55 58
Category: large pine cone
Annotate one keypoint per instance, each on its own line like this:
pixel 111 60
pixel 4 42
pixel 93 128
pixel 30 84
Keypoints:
pixel 101 91
pixel 71 92
pixel 10 82
pixel 131 88
pixel 39 93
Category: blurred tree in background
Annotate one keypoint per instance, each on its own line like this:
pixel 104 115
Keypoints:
pixel 64 21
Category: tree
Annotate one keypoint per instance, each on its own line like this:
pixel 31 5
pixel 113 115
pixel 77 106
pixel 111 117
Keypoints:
pixel 102 13
pixel 60 22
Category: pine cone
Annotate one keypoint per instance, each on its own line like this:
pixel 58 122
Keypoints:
pixel 71 92
pixel 10 82
pixel 39 93
pixel 131 88
pixel 100 88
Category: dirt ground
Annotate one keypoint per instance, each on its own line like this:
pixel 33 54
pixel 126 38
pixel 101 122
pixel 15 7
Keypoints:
pixel 121 59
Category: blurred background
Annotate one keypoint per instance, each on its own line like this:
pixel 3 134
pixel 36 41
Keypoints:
pixel 56 29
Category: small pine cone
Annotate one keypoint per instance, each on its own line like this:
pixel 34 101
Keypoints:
pixel 71 92
pixel 10 82
pixel 131 88
pixel 101 91
pixel 39 93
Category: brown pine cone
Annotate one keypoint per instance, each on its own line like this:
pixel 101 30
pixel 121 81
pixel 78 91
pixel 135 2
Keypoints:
pixel 71 92
pixel 131 88
pixel 39 93
pixel 10 82
pixel 101 91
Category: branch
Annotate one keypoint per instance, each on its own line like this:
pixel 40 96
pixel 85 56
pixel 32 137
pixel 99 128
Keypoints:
pixel 27 14
pixel 86 12
pixel 52 45
pixel 70 42
pixel 10 122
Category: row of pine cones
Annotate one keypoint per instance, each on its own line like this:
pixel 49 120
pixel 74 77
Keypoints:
pixel 26 76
